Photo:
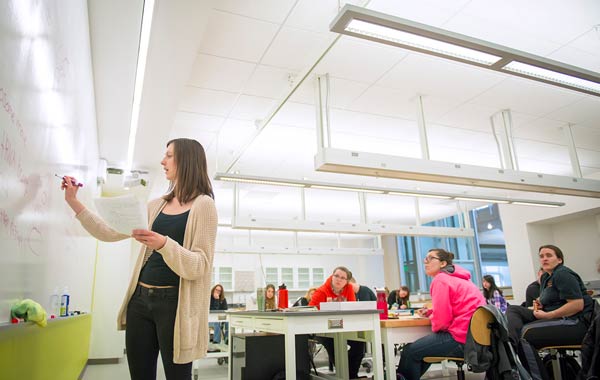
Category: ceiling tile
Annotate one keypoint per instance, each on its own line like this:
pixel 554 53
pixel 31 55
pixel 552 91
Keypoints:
pixel 269 82
pixel 527 96
pixel 540 129
pixel 387 101
pixel 586 138
pixel 209 102
pixel 427 75
pixel 342 92
pixel 218 73
pixel 314 15
pixel 431 12
pixel 362 124
pixel 296 49
pixel 585 112
pixel 297 114
pixel 195 121
pixel 268 10
pixel 357 60
pixel 577 57
pixel 252 108
pixel 236 37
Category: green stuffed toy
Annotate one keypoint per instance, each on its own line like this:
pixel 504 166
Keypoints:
pixel 29 310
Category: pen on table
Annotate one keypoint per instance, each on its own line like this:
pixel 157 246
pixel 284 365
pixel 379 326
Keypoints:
pixel 73 182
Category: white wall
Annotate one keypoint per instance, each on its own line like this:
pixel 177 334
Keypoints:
pixel 571 227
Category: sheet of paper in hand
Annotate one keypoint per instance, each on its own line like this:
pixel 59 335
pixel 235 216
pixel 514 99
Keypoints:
pixel 124 213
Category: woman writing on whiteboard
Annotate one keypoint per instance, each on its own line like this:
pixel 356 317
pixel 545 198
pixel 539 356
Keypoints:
pixel 167 301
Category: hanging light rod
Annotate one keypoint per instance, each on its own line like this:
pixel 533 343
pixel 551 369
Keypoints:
pixel 380 27
pixel 241 178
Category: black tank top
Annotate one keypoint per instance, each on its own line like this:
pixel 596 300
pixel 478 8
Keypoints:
pixel 156 272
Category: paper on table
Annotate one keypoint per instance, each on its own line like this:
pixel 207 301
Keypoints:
pixel 123 214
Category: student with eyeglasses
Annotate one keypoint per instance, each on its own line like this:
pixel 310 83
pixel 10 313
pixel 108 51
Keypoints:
pixel 454 299
pixel 337 288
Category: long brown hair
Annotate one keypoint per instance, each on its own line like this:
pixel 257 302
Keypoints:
pixel 221 295
pixel 192 173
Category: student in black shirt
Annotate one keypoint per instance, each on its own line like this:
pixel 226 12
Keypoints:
pixel 217 302
pixel 558 315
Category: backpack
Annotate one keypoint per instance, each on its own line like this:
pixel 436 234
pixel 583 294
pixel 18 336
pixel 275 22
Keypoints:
pixel 498 360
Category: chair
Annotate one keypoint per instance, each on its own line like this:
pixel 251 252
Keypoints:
pixel 559 364
pixel 481 331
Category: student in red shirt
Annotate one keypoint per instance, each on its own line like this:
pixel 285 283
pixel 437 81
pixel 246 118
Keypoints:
pixel 337 288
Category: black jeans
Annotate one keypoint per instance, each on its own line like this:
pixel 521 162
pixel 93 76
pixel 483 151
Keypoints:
pixel 150 327
pixel 543 332
pixel 355 354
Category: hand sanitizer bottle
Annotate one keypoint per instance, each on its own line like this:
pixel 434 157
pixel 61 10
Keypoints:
pixel 54 303
pixel 64 302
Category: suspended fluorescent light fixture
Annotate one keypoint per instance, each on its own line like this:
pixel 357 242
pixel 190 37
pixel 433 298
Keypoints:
pixel 487 200
pixel 342 188
pixel 420 43
pixel 260 181
pixel 523 203
pixel 380 27
pixel 243 178
pixel 423 195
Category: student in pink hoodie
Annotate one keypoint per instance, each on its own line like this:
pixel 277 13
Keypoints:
pixel 454 300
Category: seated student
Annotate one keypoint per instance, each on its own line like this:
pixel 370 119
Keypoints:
pixel 558 316
pixel 303 301
pixel 492 294
pixel 399 298
pixel 270 303
pixel 454 300
pixel 362 293
pixel 218 302
pixel 338 289
pixel 533 290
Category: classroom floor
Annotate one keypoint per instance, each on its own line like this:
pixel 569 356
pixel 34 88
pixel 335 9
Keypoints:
pixel 209 369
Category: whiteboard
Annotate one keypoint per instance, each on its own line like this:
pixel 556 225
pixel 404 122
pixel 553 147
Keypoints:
pixel 47 126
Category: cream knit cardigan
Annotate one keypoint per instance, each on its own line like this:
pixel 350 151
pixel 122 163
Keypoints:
pixel 192 262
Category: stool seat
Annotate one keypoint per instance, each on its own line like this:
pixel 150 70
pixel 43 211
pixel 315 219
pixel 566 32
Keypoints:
pixel 460 373
pixel 437 359
pixel 566 347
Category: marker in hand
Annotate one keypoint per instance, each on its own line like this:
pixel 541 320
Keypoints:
pixel 72 182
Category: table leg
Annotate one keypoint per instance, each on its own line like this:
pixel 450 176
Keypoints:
pixel 388 353
pixel 340 346
pixel 231 333
pixel 375 339
pixel 290 356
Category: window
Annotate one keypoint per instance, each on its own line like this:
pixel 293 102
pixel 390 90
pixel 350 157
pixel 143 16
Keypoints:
pixel 489 235
pixel 226 277
pixel 271 276
pixel 318 276
pixel 287 277
pixel 484 254
pixel 303 278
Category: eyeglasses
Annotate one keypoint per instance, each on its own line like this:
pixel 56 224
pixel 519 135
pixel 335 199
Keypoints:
pixel 340 277
pixel 429 258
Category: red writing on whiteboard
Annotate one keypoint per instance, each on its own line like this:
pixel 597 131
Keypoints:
pixel 8 154
pixel 60 71
pixel 11 227
pixel 7 106
pixel 13 232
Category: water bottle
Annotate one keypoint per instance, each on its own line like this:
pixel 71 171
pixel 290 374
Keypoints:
pixel 382 304
pixel 282 297
pixel 54 303
pixel 260 299
pixel 65 298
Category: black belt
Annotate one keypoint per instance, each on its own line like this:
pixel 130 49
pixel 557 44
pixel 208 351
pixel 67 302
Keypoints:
pixel 158 292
